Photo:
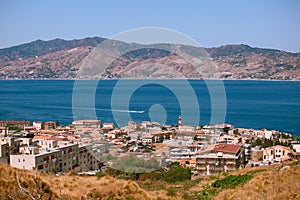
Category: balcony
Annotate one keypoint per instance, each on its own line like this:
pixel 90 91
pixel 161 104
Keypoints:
pixel 230 168
pixel 211 162
pixel 230 163
pixel 201 168
pixel 216 169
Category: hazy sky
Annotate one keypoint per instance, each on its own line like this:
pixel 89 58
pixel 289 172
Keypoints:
pixel 259 23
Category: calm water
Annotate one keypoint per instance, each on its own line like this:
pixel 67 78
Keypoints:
pixel 251 104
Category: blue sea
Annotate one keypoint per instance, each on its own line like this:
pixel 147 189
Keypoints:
pixel 249 104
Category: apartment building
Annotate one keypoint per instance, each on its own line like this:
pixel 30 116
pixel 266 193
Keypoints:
pixel 69 157
pixel 148 139
pixel 4 153
pixel 177 154
pixel 49 125
pixel 13 144
pixel 229 139
pixel 108 126
pixel 32 159
pixel 160 136
pixel 295 151
pixel 46 144
pixel 38 125
pixel 220 158
pixel 63 158
pixel 88 158
pixel 276 154
pixel 87 123
pixel 16 124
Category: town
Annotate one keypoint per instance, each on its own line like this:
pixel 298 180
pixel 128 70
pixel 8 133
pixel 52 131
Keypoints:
pixel 89 146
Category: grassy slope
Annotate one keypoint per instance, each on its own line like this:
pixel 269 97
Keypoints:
pixel 271 182
pixel 31 187
pixel 277 183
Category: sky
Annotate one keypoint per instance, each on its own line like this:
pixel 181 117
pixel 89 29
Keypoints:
pixel 267 24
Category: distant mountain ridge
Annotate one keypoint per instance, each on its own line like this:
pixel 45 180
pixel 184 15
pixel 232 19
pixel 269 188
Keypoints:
pixel 61 59
pixel 40 47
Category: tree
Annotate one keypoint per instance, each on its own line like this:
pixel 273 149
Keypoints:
pixel 177 173
pixel 164 128
pixel 133 164
pixel 257 142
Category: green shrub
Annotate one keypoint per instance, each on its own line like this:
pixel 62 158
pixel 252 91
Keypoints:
pixel 151 176
pixel 296 162
pixel 177 173
pixel 171 192
pixel 232 181
pixel 207 194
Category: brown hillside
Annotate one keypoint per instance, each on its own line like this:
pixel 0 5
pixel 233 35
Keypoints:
pixel 61 59
pixel 269 182
pixel 20 184
pixel 283 183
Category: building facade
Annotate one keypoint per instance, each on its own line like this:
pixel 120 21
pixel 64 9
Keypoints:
pixel 276 154
pixel 220 158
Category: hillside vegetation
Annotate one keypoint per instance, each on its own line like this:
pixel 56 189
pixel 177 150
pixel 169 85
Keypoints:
pixel 62 59
pixel 269 182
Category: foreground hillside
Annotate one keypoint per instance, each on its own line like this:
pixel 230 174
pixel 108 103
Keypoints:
pixel 61 59
pixel 271 182
pixel 20 184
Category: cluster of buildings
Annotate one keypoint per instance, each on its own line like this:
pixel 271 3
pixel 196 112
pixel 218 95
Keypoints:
pixel 45 147
pixel 89 145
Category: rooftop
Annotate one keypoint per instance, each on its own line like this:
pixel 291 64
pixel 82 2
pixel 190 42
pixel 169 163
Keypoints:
pixel 86 121
pixel 227 148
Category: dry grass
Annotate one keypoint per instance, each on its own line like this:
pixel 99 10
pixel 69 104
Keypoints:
pixel 66 187
pixel 269 182
pixel 21 184
pixel 272 184
pixel 84 187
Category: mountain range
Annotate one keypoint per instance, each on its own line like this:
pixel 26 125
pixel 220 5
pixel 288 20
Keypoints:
pixel 100 58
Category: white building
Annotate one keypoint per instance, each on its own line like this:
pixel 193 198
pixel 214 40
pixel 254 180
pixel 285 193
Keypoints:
pixel 87 123
pixel 46 161
pixel 295 151
pixel 38 125
pixel 276 154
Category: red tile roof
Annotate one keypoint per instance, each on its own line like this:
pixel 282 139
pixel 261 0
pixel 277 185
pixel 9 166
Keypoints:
pixel 227 148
